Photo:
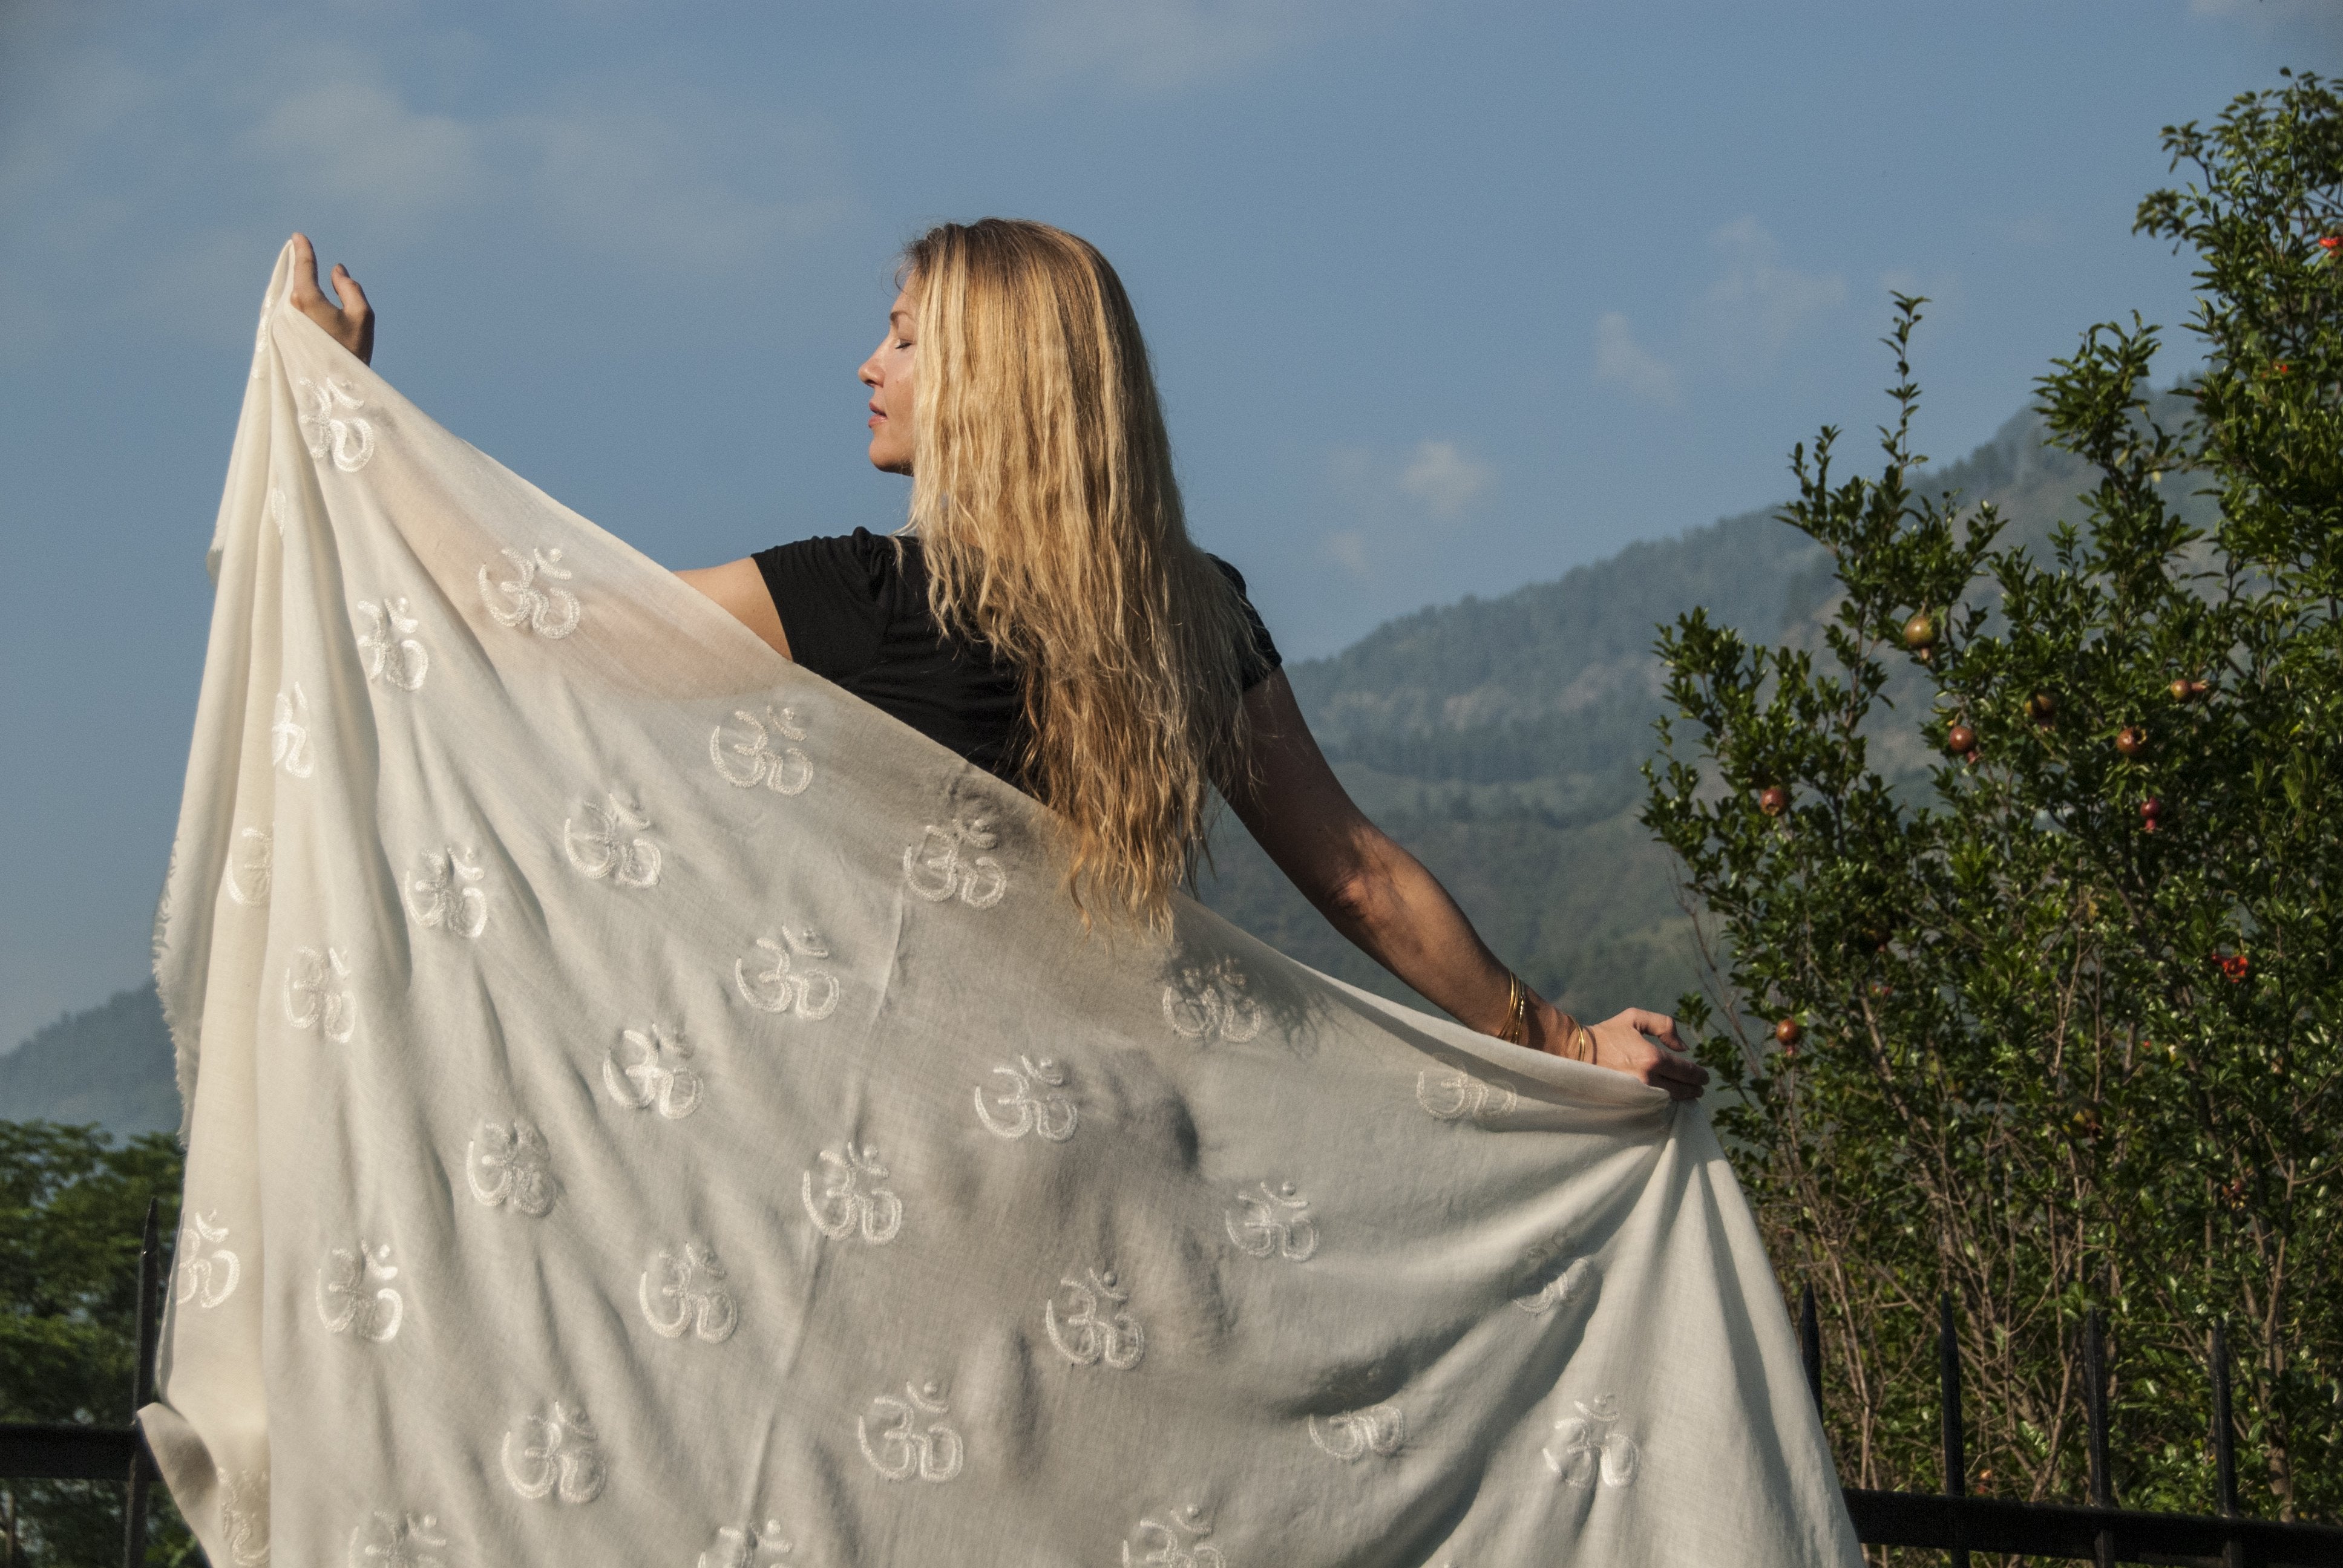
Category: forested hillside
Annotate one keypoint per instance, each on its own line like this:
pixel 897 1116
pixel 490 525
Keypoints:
pixel 1499 738
pixel 110 1064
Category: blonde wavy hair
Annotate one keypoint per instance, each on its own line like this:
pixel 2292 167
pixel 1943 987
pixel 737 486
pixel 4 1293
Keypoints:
pixel 1043 497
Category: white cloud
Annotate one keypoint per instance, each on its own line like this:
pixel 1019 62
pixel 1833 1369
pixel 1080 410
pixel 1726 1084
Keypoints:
pixel 1161 47
pixel 1444 478
pixel 211 155
pixel 674 187
pixel 643 183
pixel 1347 548
pixel 2318 22
pixel 1620 361
pixel 1748 316
pixel 358 137
pixel 1396 507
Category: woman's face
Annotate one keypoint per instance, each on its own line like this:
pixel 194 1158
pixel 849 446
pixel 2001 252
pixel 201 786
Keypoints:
pixel 888 374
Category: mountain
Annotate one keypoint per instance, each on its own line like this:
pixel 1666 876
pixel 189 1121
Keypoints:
pixel 110 1064
pixel 1499 738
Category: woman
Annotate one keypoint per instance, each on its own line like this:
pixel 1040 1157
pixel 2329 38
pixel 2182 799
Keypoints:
pixel 1046 616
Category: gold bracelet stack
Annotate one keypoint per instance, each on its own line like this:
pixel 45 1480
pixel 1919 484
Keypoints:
pixel 1516 1029
pixel 1577 1040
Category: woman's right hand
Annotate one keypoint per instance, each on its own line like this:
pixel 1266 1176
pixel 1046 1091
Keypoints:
pixel 1641 1043
pixel 350 323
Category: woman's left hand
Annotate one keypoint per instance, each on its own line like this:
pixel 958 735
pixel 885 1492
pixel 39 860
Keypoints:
pixel 1644 1045
pixel 348 321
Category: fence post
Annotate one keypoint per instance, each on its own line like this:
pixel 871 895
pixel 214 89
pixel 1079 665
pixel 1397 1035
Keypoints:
pixel 1810 1345
pixel 2224 1443
pixel 142 1386
pixel 2094 1406
pixel 1948 1372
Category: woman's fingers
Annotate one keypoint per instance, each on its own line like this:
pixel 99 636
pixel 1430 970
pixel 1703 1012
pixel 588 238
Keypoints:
pixel 350 323
pixel 305 273
pixel 1658 1025
pixel 356 312
pixel 1645 1046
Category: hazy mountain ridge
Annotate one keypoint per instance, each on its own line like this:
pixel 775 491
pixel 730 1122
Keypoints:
pixel 1500 740
pixel 110 1064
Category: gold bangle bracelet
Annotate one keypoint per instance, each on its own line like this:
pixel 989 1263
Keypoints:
pixel 1577 1040
pixel 1515 1029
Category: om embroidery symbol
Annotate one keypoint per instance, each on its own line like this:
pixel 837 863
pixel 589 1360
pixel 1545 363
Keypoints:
pixel 397 1540
pixel 555 1455
pixel 312 1000
pixel 1273 1222
pixel 443 897
pixel 1350 1437
pixel 935 868
pixel 206 1278
pixel 389 652
pixel 243 1517
pixel 746 1546
pixel 510 1167
pixel 1585 1444
pixel 901 1451
pixel 601 847
pixel 745 762
pixel 775 989
pixel 851 1197
pixel 329 427
pixel 546 608
pixel 288 736
pixel 695 1300
pixel 343 1298
pixel 1085 1337
pixel 656 1076
pixel 1031 1103
pixel 251 868
pixel 1210 1002
pixel 1461 1097
pixel 1567 1287
pixel 1174 1543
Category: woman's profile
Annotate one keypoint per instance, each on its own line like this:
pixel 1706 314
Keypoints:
pixel 1045 615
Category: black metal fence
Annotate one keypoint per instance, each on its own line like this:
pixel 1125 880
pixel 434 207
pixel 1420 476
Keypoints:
pixel 52 1451
pixel 1954 1522
pixel 1951 1522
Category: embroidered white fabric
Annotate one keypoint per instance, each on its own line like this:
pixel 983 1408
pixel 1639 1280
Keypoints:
pixel 501 1020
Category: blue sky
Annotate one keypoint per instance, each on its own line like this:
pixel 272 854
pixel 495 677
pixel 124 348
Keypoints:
pixel 1444 298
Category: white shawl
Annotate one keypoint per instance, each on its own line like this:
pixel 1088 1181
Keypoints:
pixel 648 1107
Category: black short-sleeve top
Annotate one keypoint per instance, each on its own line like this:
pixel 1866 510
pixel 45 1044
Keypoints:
pixel 855 609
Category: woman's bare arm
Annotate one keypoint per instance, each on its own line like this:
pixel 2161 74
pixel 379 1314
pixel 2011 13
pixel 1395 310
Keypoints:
pixel 740 588
pixel 1381 897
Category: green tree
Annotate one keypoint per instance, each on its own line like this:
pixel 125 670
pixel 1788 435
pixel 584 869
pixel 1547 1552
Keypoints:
pixel 72 1207
pixel 2055 1025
